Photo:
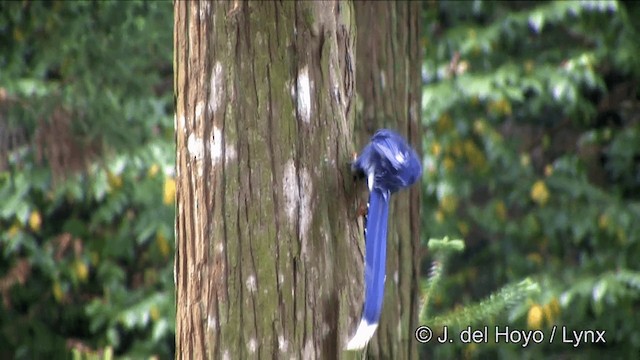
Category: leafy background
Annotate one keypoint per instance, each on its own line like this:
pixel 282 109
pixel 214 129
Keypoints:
pixel 532 155
pixel 86 179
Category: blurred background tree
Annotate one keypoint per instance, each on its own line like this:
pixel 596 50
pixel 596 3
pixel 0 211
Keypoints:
pixel 533 156
pixel 86 178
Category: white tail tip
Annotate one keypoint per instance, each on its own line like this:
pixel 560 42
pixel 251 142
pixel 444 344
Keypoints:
pixel 363 335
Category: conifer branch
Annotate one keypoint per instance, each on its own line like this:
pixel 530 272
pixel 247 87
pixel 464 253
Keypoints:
pixel 496 303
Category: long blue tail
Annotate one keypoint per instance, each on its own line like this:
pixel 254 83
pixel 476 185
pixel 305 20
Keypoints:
pixel 375 264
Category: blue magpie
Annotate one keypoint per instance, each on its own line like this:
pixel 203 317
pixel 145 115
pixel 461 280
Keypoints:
pixel 389 164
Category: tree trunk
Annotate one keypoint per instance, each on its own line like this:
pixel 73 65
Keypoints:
pixel 389 86
pixel 266 228
pixel 269 254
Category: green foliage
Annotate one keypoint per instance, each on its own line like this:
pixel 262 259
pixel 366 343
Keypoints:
pixel 107 62
pixel 97 265
pixel 87 257
pixel 532 155
pixel 441 250
pixel 508 297
pixel 106 355
pixel 487 309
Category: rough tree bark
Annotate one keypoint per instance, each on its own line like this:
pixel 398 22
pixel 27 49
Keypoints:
pixel 266 229
pixel 388 84
pixel 268 253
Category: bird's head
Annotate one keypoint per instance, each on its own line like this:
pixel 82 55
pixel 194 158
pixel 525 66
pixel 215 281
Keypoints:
pixel 395 164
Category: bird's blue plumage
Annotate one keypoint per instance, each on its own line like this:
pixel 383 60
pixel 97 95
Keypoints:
pixel 375 254
pixel 389 164
pixel 393 163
